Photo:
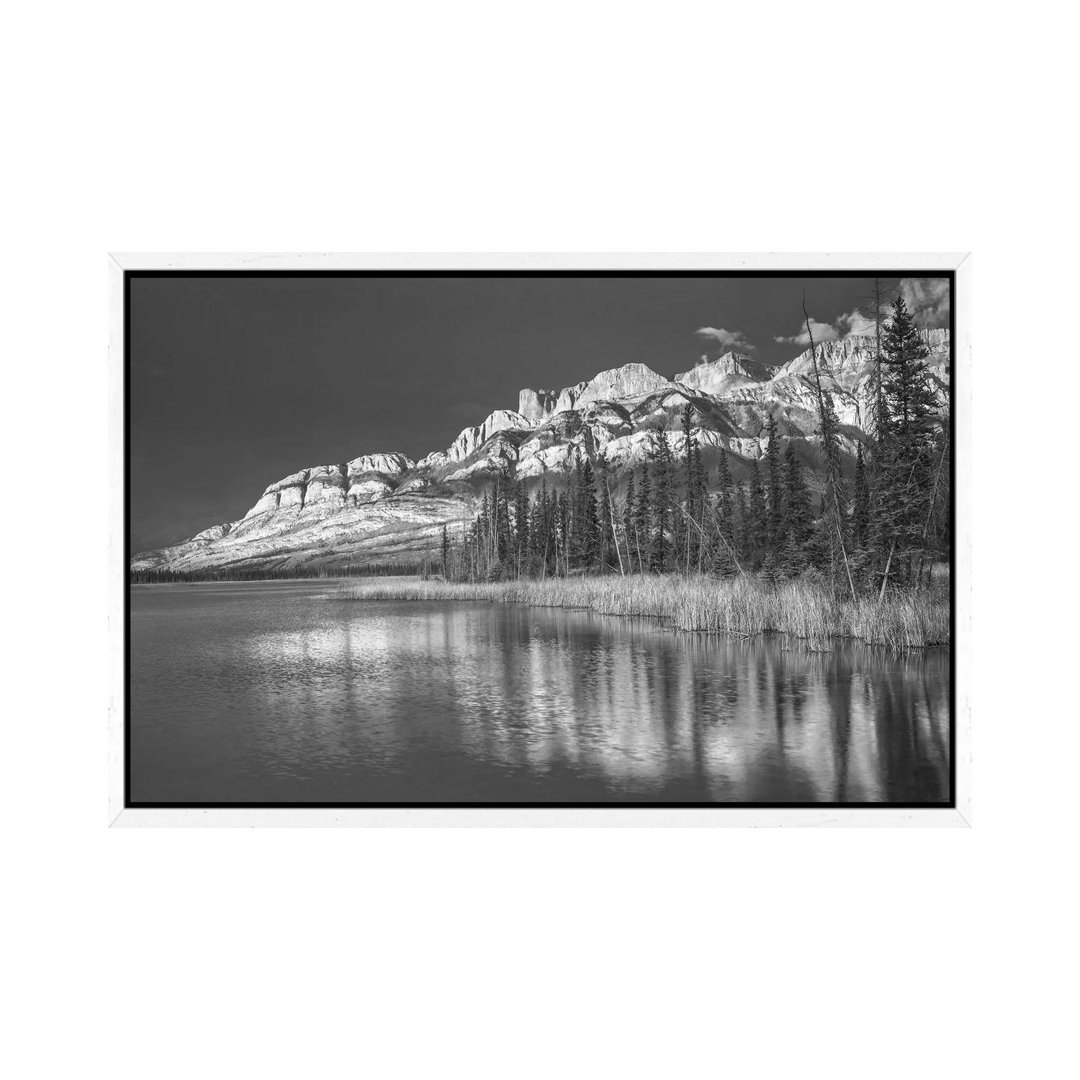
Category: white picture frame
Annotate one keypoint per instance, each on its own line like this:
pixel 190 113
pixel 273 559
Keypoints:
pixel 959 815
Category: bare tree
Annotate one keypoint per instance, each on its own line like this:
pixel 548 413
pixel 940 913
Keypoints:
pixel 834 503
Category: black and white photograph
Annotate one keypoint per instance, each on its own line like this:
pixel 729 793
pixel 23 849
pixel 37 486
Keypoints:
pixel 539 541
pixel 539 538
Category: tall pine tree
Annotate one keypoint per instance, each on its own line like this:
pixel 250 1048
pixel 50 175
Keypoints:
pixel 905 449
pixel 774 479
pixel 798 516
pixel 860 521
pixel 643 516
pixel 663 504
pixel 628 522
pixel 758 519
pixel 605 544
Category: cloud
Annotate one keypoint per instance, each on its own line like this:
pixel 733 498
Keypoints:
pixel 822 332
pixel 855 323
pixel 928 300
pixel 728 340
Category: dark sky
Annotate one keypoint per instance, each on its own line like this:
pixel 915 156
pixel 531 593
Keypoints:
pixel 238 381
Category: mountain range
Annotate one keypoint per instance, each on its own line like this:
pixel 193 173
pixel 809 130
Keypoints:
pixel 384 507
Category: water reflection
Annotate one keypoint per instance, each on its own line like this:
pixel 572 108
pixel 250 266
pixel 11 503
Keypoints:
pixel 273 694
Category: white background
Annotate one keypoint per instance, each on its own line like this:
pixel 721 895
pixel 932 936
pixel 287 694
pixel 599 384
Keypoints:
pixel 559 127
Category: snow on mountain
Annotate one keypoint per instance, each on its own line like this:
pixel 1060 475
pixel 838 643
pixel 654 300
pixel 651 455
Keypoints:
pixel 729 372
pixel 382 506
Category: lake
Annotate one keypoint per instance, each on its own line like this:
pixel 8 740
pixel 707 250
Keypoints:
pixel 281 692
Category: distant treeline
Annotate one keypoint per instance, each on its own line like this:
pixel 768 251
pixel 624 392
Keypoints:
pixel 281 573
pixel 885 526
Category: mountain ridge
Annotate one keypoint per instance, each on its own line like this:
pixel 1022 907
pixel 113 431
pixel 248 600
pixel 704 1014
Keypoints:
pixel 383 506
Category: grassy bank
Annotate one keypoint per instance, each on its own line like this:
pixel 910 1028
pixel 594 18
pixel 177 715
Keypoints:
pixel 744 606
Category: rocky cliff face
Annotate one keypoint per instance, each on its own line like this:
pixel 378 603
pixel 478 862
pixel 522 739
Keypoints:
pixel 384 506
pixel 719 377
pixel 473 438
pixel 536 404
pixel 618 384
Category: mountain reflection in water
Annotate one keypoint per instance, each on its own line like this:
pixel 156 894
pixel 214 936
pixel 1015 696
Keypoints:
pixel 279 692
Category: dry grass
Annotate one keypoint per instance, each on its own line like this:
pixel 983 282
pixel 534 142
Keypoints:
pixel 744 605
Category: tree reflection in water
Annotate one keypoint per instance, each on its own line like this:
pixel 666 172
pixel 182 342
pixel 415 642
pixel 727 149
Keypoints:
pixel 429 702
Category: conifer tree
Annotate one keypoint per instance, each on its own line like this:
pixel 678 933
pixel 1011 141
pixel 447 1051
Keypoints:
pixel 723 534
pixel 643 523
pixel 938 529
pixel 906 468
pixel 562 533
pixel 588 530
pixel 774 478
pixel 663 506
pixel 743 526
pixel 521 523
pixel 549 529
pixel 687 548
pixel 482 535
pixel 909 397
pixel 539 536
pixel 628 521
pixel 798 517
pixel 576 538
pixel 723 487
pixel 875 308
pixel 701 504
pixel 503 536
pixel 701 480
pixel 860 521
pixel 605 535
pixel 758 522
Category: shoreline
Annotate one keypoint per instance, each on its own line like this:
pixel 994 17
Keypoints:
pixel 742 607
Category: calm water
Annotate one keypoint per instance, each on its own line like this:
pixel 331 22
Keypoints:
pixel 278 692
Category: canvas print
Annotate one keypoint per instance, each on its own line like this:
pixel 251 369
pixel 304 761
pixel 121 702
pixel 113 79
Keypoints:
pixel 539 539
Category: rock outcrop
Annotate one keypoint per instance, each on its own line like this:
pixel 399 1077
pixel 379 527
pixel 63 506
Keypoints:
pixel 617 384
pixel 537 404
pixel 473 438
pixel 718 377
pixel 388 464
pixel 382 506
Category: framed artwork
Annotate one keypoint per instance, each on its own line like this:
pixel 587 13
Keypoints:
pixel 540 539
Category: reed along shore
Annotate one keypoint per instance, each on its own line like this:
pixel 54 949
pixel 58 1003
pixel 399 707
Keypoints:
pixel 744 605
